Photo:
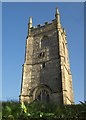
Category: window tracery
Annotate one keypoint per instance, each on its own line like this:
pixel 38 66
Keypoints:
pixel 42 95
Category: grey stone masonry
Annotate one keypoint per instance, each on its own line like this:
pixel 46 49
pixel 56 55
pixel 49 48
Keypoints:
pixel 46 72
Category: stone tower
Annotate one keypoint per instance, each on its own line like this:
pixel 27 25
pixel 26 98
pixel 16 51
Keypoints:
pixel 46 72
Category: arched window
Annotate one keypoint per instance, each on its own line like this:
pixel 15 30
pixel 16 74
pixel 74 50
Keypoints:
pixel 44 41
pixel 42 95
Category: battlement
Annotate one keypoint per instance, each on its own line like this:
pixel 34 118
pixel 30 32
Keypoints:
pixel 44 25
pixel 47 26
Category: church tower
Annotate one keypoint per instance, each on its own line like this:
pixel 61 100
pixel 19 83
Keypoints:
pixel 46 72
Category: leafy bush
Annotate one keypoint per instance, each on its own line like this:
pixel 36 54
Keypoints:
pixel 12 110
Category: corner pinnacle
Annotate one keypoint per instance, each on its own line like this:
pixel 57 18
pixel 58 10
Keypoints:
pixel 57 11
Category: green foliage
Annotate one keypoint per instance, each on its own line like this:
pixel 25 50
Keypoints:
pixel 11 108
pixel 23 111
pixel 10 117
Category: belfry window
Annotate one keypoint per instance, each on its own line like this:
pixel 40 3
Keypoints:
pixel 45 41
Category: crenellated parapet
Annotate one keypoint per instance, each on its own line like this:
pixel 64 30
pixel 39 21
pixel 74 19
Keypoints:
pixel 40 29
